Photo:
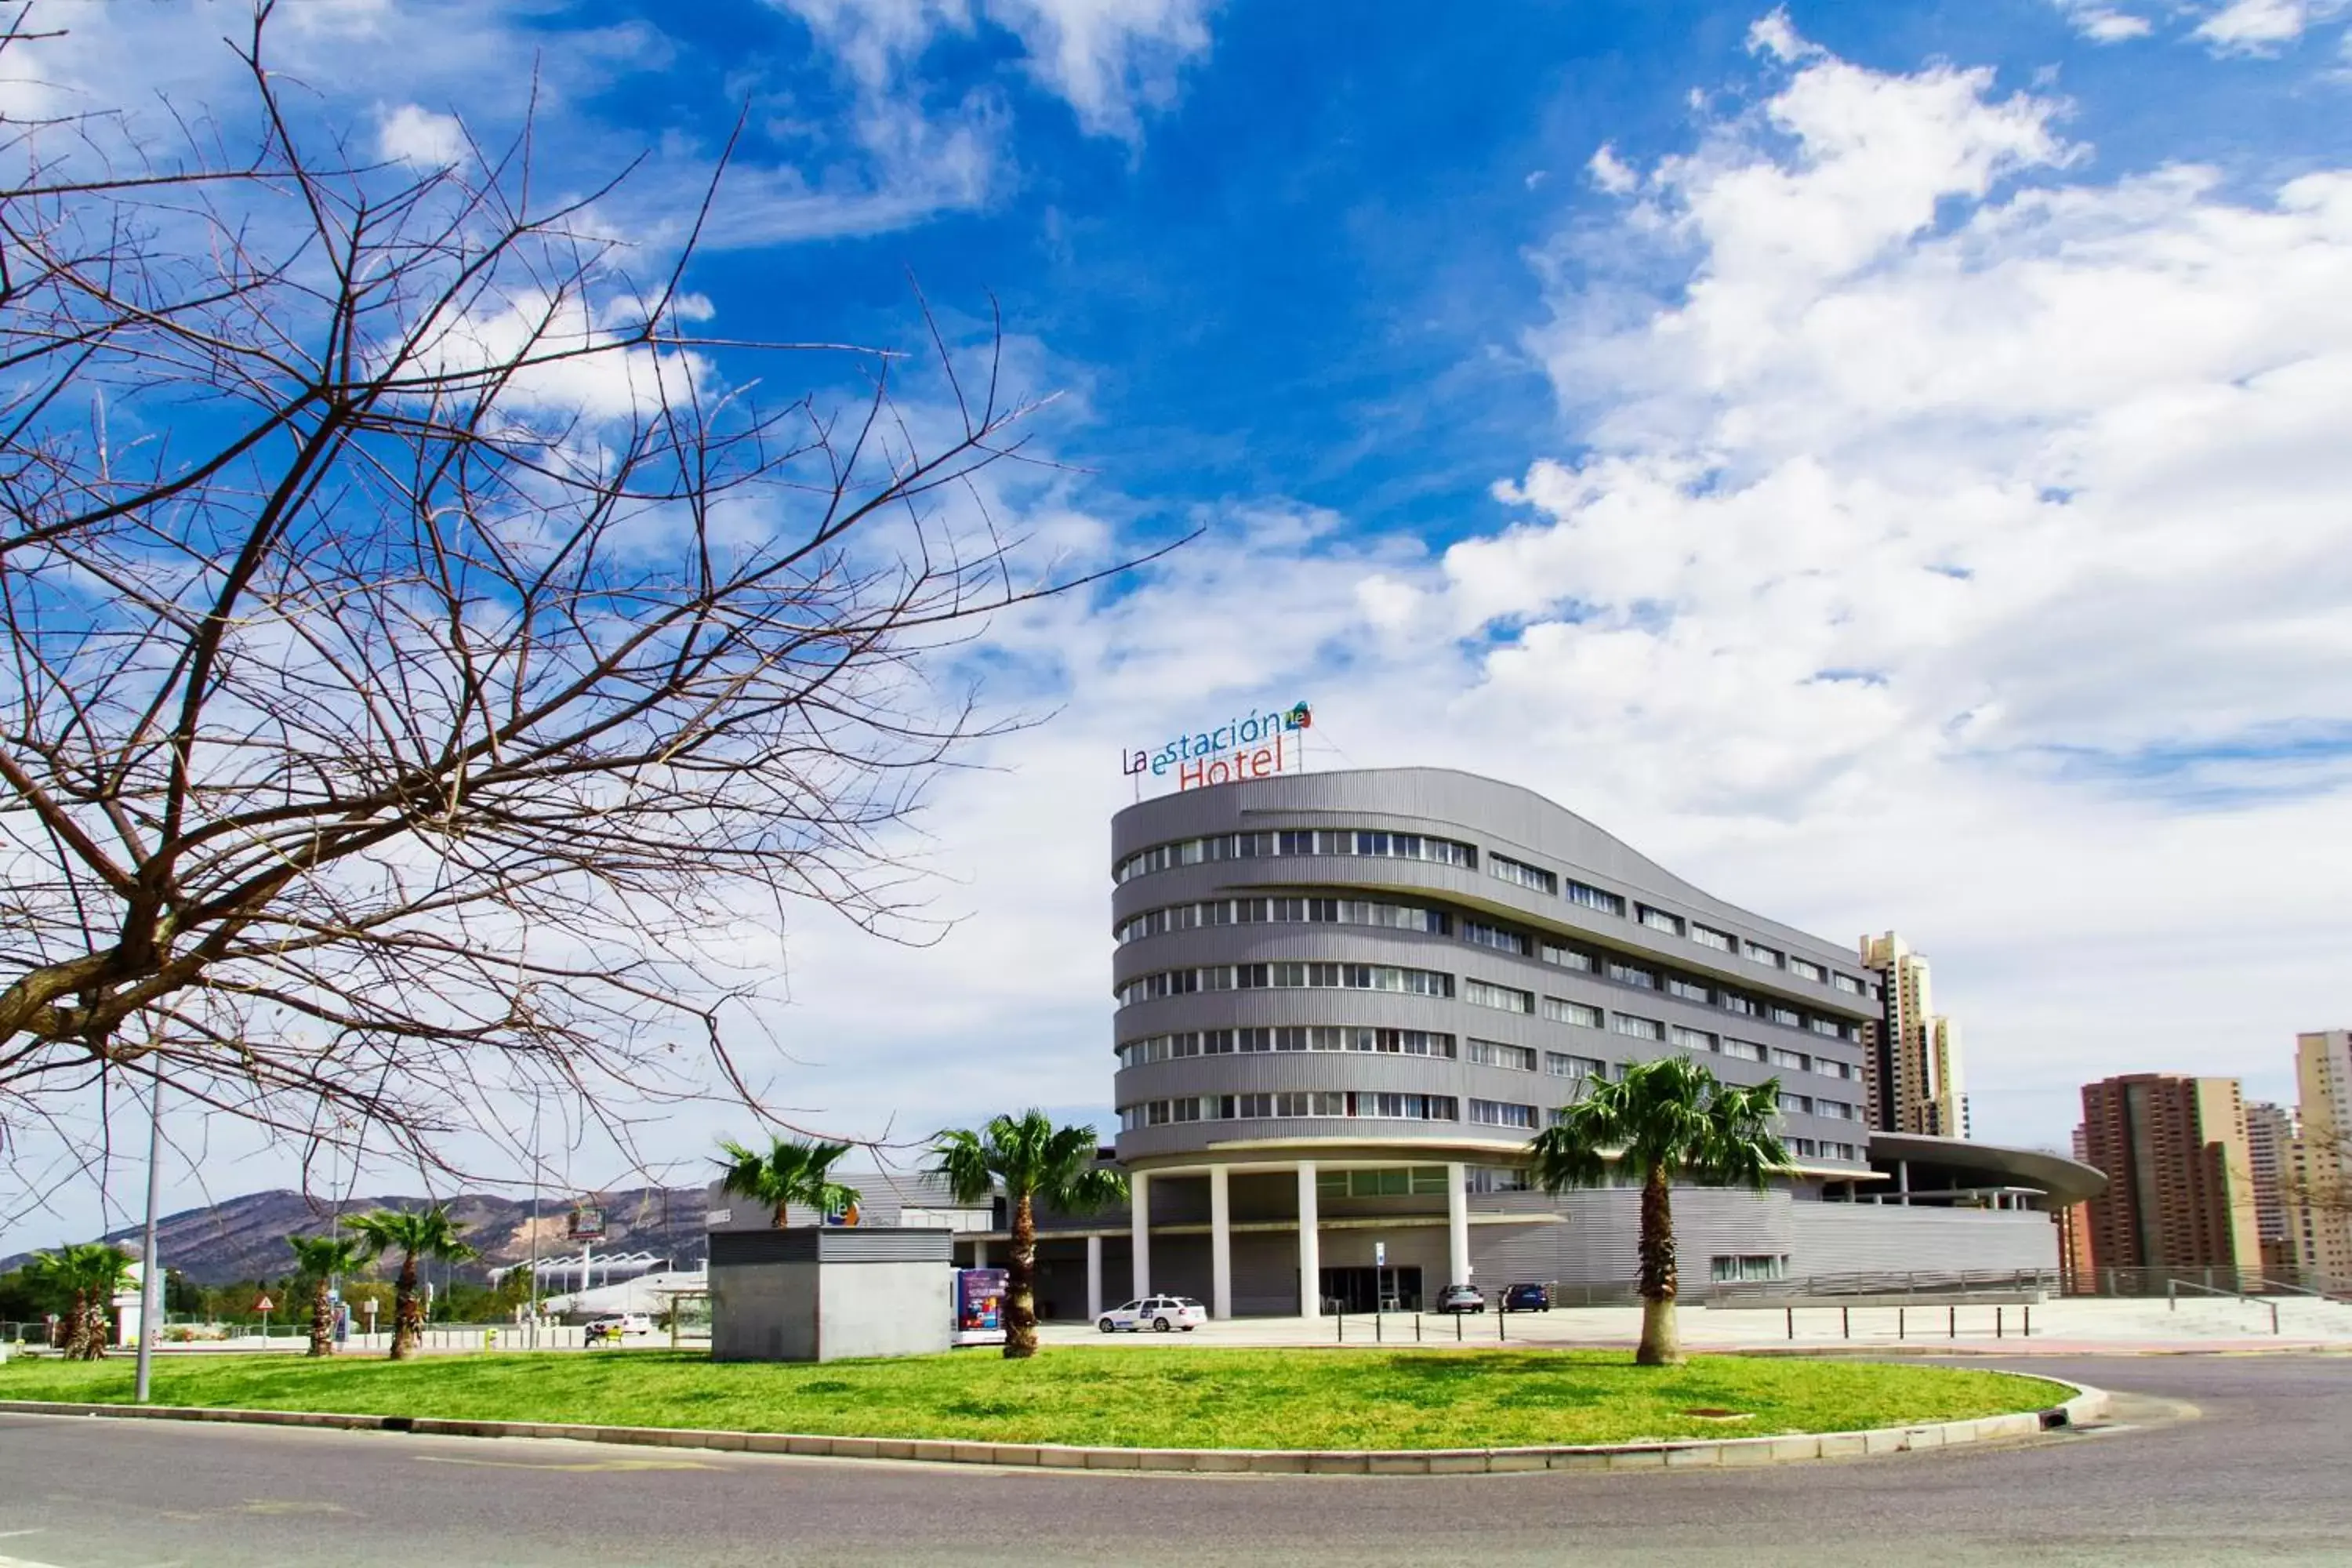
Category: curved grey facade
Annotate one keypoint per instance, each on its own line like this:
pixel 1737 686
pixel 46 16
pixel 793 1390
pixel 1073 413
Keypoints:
pixel 1298 998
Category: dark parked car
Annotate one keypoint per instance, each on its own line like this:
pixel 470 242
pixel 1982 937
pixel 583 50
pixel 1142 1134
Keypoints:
pixel 1527 1298
pixel 1461 1299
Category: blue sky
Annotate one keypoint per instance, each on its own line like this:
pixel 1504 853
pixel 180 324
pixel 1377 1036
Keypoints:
pixel 1885 459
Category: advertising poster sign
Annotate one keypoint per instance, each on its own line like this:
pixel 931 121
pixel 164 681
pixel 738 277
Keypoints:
pixel 980 1307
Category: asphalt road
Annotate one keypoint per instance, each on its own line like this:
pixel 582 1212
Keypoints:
pixel 2208 1460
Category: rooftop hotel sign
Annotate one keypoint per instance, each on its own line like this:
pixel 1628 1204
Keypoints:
pixel 1254 746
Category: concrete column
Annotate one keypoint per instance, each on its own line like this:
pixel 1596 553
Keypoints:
pixel 1902 1181
pixel 1094 1277
pixel 1138 1191
pixel 1310 1246
pixel 979 1252
pixel 1221 1245
pixel 1457 1225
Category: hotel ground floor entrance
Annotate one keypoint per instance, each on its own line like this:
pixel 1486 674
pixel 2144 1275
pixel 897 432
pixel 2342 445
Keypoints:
pixel 1372 1290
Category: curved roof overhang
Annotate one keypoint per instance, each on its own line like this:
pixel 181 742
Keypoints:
pixel 2066 1181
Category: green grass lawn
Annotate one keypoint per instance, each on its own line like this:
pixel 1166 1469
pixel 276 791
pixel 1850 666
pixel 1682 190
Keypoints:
pixel 1158 1399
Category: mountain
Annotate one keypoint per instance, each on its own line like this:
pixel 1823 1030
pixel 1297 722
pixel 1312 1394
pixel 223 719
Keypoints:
pixel 244 1237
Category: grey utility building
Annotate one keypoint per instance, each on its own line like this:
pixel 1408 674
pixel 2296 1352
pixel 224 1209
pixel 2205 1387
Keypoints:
pixel 828 1293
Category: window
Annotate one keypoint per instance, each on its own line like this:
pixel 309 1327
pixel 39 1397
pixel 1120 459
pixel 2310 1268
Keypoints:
pixel 1658 919
pixel 1495 1053
pixel 1479 993
pixel 1495 1113
pixel 1564 1012
pixel 1393 1182
pixel 1707 937
pixel 1688 990
pixel 1805 970
pixel 1788 1016
pixel 1757 953
pixel 1829 1068
pixel 1592 898
pixel 1847 984
pixel 1525 876
pixel 1633 974
pixel 1804 1146
pixel 1733 1002
pixel 1794 1059
pixel 1835 1109
pixel 1732 1270
pixel 1407 1107
pixel 1828 1027
pixel 1496 937
pixel 1557 1063
pixel 1495 1179
pixel 1803 1104
pixel 1640 1028
pixel 1745 1050
pixel 1567 957
pixel 1691 1039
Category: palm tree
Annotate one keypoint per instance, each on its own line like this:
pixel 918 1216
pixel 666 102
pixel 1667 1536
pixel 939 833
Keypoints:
pixel 1036 1161
pixel 429 1233
pixel 791 1171
pixel 87 1275
pixel 320 1258
pixel 1666 1121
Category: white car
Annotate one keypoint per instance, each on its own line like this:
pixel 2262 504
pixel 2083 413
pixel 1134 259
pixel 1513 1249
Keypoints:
pixel 617 1325
pixel 1157 1313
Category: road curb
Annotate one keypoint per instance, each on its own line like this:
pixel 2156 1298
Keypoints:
pixel 2087 1404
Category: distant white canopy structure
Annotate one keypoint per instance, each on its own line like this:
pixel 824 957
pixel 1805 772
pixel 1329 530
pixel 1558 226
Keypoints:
pixel 587 1270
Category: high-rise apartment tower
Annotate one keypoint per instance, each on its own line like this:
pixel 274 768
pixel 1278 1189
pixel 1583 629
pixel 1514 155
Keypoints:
pixel 2320 1185
pixel 1917 1081
pixel 2181 1191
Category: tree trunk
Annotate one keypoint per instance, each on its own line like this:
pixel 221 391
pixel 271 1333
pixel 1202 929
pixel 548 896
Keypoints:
pixel 777 1221
pixel 323 1320
pixel 1661 1345
pixel 86 1333
pixel 407 1313
pixel 1020 1283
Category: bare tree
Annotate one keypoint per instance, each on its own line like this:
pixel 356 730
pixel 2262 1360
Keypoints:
pixel 419 646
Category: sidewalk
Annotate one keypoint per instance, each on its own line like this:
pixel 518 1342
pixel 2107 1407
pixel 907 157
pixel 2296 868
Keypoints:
pixel 2071 1326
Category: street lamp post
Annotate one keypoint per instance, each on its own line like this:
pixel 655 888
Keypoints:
pixel 151 1274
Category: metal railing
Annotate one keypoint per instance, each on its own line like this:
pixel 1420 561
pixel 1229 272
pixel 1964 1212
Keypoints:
pixel 2173 1289
pixel 1903 1282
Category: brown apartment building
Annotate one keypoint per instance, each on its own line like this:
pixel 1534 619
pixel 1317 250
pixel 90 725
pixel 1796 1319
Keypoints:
pixel 2179 1175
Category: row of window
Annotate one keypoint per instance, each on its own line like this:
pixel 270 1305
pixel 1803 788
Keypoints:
pixel 1286 976
pixel 1436 983
pixel 1274 912
pixel 1302 841
pixel 1291 1103
pixel 1284 1037
pixel 1502 939
pixel 1447 852
pixel 1749 1051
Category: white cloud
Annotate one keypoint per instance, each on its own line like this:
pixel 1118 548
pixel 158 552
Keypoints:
pixel 1611 173
pixel 2256 26
pixel 2103 23
pixel 1108 57
pixel 412 134
pixel 2224 26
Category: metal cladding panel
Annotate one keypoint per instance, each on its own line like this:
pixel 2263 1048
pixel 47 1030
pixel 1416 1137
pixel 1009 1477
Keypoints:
pixel 1872 1238
pixel 1599 1239
pixel 830 1244
pixel 1479 811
